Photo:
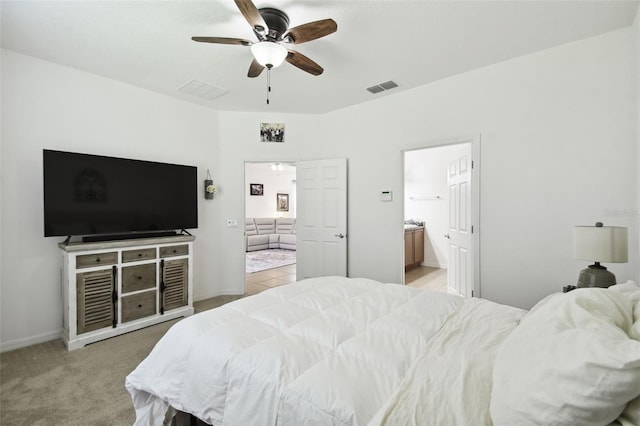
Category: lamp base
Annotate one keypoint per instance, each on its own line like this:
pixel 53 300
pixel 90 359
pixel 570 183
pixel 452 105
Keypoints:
pixel 596 275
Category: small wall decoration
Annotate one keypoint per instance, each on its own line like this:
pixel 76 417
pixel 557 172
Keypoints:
pixel 209 188
pixel 271 132
pixel 256 189
pixel 282 202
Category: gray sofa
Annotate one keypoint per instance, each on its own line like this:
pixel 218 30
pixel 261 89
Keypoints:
pixel 262 233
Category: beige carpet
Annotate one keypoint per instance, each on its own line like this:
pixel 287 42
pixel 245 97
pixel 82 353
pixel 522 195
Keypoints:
pixel 45 384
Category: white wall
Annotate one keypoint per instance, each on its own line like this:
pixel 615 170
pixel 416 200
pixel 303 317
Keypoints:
pixel 274 182
pixel 559 147
pixel 425 174
pixel 238 131
pixel 48 106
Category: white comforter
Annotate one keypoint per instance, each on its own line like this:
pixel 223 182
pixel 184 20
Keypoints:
pixel 328 351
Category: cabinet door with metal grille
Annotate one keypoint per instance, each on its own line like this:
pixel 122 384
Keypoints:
pixel 174 286
pixel 95 299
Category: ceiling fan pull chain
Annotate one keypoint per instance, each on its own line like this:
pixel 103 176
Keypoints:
pixel 268 83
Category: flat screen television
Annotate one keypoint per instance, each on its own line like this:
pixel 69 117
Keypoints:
pixel 91 195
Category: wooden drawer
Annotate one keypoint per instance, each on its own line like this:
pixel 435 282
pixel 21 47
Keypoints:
pixel 138 306
pixel 96 259
pixel 138 277
pixel 141 254
pixel 169 251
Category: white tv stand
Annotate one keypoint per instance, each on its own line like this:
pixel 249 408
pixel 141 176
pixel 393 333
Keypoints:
pixel 114 287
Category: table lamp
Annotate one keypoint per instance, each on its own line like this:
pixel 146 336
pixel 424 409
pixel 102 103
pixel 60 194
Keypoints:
pixel 599 244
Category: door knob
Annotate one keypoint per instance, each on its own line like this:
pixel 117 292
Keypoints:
pixel 340 235
pixel 447 236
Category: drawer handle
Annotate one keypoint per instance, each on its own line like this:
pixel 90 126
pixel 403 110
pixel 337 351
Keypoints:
pixel 175 251
pixel 139 306
pixel 139 254
pixel 97 260
pixel 139 277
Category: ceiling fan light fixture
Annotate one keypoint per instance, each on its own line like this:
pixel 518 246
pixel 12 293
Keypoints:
pixel 269 54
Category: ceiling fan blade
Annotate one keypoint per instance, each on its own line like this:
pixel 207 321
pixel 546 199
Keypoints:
pixel 305 64
pixel 254 69
pixel 311 31
pixel 253 17
pixel 222 40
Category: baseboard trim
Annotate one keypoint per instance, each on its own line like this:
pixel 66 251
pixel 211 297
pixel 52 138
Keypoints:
pixel 204 296
pixel 224 292
pixel 28 341
pixel 230 292
pixel 434 265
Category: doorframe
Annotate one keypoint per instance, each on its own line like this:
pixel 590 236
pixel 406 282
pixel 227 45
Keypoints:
pixel 244 210
pixel 475 141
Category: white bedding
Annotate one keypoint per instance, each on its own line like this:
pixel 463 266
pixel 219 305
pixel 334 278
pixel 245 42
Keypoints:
pixel 573 360
pixel 327 351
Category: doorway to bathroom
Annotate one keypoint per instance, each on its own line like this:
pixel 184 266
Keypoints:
pixel 440 217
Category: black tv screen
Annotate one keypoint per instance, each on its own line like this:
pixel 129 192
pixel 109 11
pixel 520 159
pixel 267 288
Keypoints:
pixel 90 194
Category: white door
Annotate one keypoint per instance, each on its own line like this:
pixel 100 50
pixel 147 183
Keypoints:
pixel 321 222
pixel 460 271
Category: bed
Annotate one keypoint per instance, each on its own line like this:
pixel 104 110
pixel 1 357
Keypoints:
pixel 348 351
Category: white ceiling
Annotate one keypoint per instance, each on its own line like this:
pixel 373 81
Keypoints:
pixel 148 43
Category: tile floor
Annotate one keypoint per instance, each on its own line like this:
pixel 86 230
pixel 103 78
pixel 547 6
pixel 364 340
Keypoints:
pixel 259 281
pixel 427 278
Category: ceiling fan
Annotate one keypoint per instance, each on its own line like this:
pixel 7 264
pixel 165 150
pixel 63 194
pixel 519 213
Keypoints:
pixel 271 27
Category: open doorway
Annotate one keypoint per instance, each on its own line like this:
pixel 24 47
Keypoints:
pixel 270 225
pixel 439 213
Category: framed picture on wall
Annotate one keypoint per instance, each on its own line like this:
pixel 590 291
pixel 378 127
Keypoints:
pixel 256 189
pixel 271 132
pixel 282 202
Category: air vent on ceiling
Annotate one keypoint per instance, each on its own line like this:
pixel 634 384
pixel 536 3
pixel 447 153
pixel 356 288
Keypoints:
pixel 387 85
pixel 202 90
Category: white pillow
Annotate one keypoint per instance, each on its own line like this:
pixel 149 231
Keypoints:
pixel 631 414
pixel 632 291
pixel 569 362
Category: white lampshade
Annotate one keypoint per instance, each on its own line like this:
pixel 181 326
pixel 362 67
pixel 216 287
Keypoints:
pixel 600 243
pixel 269 54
